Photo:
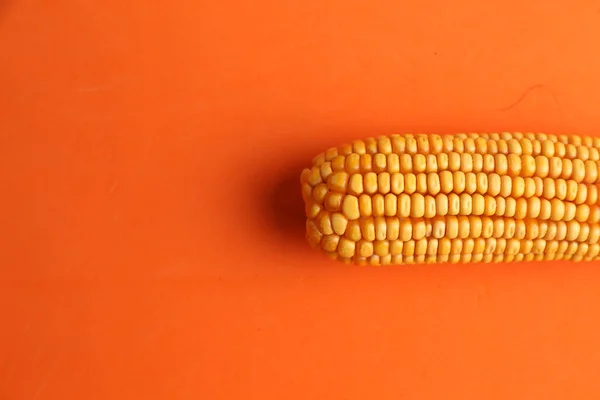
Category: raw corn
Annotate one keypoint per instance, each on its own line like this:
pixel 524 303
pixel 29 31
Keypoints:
pixel 478 197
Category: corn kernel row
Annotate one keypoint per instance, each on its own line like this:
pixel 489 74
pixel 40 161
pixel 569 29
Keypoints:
pixel 512 165
pixel 417 205
pixel 475 249
pixel 553 250
pixel 457 182
pixel 451 227
pixel 563 146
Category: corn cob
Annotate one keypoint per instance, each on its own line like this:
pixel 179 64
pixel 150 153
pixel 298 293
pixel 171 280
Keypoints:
pixel 404 199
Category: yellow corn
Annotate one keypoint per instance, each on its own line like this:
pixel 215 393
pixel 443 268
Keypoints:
pixel 404 199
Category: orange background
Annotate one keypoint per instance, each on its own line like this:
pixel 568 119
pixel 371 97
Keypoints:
pixel 152 225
